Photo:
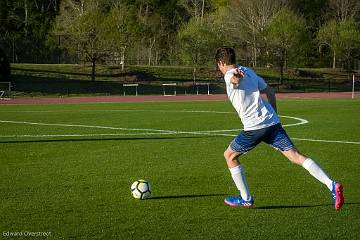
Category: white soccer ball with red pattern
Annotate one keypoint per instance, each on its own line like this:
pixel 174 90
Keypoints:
pixel 141 189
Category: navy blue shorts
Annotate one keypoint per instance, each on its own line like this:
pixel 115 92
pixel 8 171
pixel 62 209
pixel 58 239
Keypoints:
pixel 274 135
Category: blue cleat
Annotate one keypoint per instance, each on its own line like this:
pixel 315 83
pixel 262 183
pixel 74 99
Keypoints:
pixel 237 201
pixel 337 194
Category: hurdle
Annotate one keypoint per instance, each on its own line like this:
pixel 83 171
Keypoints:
pixel 126 85
pixel 164 85
pixel 202 84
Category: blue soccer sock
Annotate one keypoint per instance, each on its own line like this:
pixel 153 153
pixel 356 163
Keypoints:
pixel 238 175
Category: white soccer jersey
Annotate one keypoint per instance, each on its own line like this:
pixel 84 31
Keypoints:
pixel 254 112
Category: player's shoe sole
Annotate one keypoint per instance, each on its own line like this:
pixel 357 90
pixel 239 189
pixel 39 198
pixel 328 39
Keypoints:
pixel 338 195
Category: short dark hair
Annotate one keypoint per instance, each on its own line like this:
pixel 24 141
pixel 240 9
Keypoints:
pixel 225 55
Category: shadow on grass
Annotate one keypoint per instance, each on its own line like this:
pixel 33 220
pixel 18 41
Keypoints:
pixel 187 196
pixel 301 206
pixel 102 139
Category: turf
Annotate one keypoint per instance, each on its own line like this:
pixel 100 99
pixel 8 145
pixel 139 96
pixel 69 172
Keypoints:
pixel 77 186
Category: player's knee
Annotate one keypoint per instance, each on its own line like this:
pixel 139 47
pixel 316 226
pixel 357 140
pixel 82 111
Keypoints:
pixel 227 155
pixel 295 156
pixel 300 158
pixel 230 156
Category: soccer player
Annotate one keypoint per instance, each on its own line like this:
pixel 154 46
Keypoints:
pixel 255 103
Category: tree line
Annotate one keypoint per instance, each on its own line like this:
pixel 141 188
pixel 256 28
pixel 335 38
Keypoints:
pixel 265 33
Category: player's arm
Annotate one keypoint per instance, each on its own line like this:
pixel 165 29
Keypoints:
pixel 268 94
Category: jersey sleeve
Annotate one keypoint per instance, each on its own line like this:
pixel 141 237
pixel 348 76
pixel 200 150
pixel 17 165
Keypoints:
pixel 261 82
pixel 228 76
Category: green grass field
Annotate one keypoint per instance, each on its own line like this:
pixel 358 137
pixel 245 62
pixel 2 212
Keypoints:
pixel 67 169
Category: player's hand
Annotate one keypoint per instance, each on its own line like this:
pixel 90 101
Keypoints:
pixel 238 75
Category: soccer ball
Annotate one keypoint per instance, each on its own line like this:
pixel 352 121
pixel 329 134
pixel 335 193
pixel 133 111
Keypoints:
pixel 141 189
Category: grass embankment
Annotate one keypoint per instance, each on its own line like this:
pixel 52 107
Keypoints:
pixel 75 79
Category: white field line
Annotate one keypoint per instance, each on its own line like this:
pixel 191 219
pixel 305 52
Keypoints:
pixel 144 131
pixel 326 141
pixel 214 132
pixel 81 135
pixel 301 122
pixel 117 110
pixel 85 126
pixel 159 133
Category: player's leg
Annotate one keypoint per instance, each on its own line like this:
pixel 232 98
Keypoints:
pixel 316 171
pixel 237 172
pixel 240 145
pixel 310 165
pixel 280 140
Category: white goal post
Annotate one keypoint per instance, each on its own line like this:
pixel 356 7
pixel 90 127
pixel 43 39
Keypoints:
pixel 5 90
pixel 171 87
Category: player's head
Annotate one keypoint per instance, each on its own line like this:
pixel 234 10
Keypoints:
pixel 225 56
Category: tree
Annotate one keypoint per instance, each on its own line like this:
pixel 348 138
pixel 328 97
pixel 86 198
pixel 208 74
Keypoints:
pixel 328 36
pixel 81 23
pixel 24 25
pixel 120 30
pixel 349 41
pixel 314 11
pixel 172 16
pixel 197 41
pixel 5 69
pixel 158 22
pixel 344 10
pixel 10 28
pixel 196 8
pixel 148 21
pixel 287 37
pixel 247 19
pixel 343 38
